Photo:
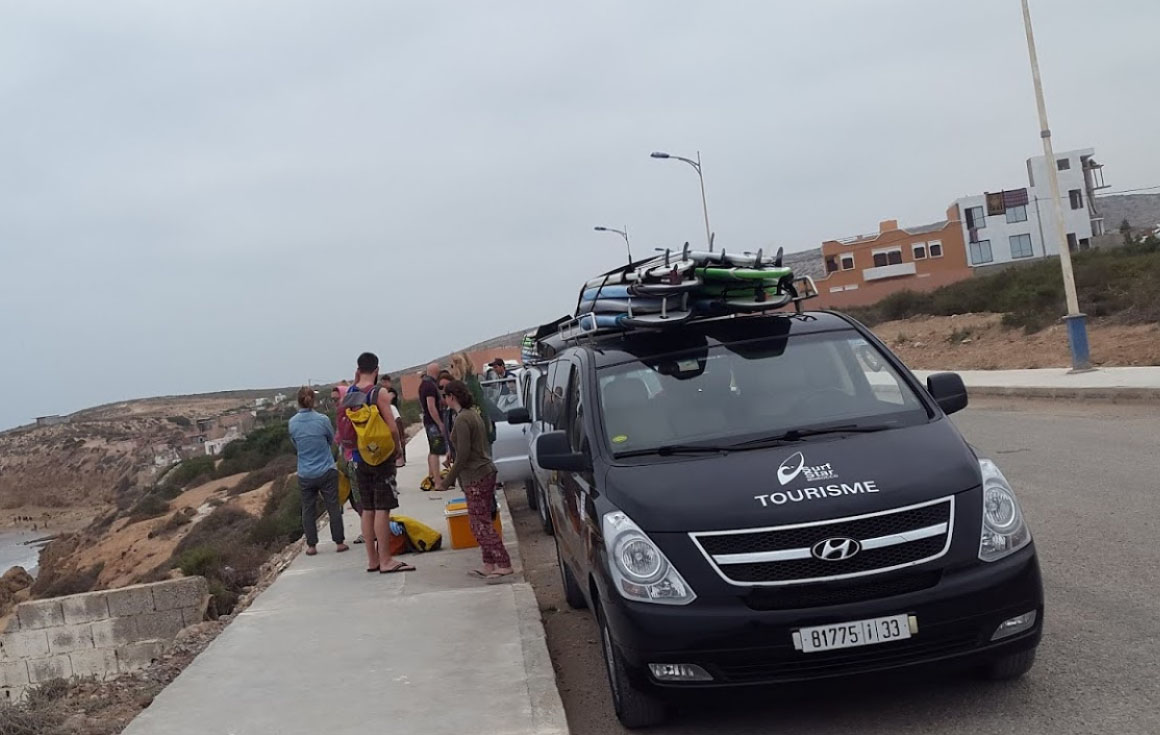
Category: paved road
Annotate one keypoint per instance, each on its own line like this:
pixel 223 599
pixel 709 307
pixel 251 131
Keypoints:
pixel 1089 478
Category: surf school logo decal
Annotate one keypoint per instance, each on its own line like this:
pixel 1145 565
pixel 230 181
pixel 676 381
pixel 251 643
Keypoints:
pixel 795 465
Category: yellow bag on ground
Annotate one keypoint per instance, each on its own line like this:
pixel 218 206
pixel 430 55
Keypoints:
pixel 420 536
pixel 376 443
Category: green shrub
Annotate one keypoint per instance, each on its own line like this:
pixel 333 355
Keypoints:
pixel 151 505
pixel 281 521
pixel 187 473
pixel 201 561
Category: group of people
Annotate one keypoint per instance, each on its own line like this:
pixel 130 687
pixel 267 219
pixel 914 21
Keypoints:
pixel 459 436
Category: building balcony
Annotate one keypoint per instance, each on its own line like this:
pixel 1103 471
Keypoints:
pixel 889 271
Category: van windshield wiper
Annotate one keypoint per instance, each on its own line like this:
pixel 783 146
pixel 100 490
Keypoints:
pixel 667 450
pixel 797 435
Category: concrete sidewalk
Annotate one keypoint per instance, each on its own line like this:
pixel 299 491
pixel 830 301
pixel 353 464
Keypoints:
pixel 329 648
pixel 1110 383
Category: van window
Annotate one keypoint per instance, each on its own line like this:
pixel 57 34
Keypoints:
pixel 500 396
pixel 575 422
pixel 556 394
pixel 760 388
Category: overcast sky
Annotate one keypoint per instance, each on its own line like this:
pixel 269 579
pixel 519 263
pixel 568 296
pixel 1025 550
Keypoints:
pixel 200 196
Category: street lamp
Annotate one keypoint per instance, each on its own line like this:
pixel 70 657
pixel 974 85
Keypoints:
pixel 1076 321
pixel 704 206
pixel 623 233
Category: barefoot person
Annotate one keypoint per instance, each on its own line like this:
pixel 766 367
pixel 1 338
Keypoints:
pixel 432 409
pixel 311 434
pixel 376 483
pixel 474 468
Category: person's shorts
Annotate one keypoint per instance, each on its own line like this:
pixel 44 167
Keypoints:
pixel 378 487
pixel 435 440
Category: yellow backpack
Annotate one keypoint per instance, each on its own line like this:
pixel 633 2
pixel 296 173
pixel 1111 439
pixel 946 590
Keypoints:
pixel 376 443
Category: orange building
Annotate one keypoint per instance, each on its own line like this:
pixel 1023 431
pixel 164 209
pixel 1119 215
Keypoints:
pixel 862 270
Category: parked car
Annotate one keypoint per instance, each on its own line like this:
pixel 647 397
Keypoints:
pixel 510 449
pixel 776 498
pixel 532 383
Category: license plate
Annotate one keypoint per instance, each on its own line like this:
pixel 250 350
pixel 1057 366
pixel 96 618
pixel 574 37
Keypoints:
pixel 856 633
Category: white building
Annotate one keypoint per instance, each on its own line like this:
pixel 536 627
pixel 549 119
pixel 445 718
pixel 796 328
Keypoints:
pixel 1019 224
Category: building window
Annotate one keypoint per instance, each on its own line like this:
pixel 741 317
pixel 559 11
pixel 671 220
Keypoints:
pixel 1063 164
pixel 934 248
pixel 975 218
pixel 836 289
pixel 1098 226
pixel 847 262
pixel 852 287
pixel 887 257
pixel 1085 244
pixel 831 264
pixel 1016 214
pixel 1072 243
pixel 919 250
pixel 1076 197
pixel 1021 246
pixel 981 252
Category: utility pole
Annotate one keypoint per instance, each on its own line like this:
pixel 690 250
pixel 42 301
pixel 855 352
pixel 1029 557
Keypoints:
pixel 1076 321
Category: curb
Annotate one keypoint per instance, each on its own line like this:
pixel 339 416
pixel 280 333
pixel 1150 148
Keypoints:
pixel 543 691
pixel 1111 395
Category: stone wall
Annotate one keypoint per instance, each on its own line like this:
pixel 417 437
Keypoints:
pixel 96 634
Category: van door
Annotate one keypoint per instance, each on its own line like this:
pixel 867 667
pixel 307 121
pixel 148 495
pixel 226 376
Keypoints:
pixel 576 488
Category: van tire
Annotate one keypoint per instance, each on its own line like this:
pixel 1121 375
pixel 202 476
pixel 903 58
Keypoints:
pixel 573 595
pixel 530 492
pixel 635 705
pixel 543 510
pixel 1010 667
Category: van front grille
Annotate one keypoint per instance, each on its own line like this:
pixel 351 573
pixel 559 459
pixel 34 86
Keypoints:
pixel 878 542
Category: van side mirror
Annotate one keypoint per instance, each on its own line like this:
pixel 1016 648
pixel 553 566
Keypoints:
pixel 519 416
pixel 554 452
pixel 948 391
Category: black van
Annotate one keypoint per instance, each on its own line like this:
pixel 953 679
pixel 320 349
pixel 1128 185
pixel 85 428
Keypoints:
pixel 776 498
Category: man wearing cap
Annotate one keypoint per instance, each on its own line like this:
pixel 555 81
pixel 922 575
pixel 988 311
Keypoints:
pixel 497 370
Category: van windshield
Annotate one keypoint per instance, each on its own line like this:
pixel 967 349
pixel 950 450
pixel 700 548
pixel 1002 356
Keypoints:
pixel 730 394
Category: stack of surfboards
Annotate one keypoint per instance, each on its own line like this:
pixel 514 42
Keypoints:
pixel 675 287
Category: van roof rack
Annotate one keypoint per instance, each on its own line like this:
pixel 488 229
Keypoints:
pixel 583 327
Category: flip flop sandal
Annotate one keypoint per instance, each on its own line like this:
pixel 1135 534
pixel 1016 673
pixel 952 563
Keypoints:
pixel 400 567
pixel 341 548
pixel 311 552
pixel 372 570
pixel 478 574
pixel 498 578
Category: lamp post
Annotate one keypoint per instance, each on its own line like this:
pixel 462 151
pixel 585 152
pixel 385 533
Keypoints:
pixel 623 233
pixel 1076 321
pixel 700 175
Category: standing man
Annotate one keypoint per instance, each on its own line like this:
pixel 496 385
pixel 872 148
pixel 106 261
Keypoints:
pixel 387 384
pixel 377 484
pixel 432 408
pixel 497 370
pixel 311 434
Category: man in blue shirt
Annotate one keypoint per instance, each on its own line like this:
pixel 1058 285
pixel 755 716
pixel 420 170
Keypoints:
pixel 312 436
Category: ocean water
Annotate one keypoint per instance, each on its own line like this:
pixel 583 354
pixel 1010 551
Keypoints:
pixel 16 552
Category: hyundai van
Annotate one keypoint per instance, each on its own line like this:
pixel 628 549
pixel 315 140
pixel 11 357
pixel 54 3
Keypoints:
pixel 775 498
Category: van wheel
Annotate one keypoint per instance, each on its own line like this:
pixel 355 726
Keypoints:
pixel 635 705
pixel 545 513
pixel 530 492
pixel 573 595
pixel 1010 667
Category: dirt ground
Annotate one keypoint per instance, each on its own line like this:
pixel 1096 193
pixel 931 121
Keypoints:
pixel 980 342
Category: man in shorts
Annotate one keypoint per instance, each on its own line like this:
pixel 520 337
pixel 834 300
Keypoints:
pixel 431 405
pixel 377 484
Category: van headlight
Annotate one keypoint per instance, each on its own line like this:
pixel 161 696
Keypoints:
pixel 1004 530
pixel 639 569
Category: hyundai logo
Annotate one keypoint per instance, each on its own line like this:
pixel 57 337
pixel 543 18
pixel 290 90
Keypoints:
pixel 835 549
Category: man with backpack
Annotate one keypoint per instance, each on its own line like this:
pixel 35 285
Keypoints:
pixel 366 425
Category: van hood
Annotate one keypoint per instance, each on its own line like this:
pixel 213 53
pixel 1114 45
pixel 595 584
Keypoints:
pixel 822 478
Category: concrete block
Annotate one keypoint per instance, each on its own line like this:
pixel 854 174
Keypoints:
pixel 159 625
pixel 85 608
pixel 14 674
pixel 70 638
pixel 193 615
pixel 39 614
pixel 130 601
pixel 24 644
pixel 11 623
pixel 139 655
pixel 178 593
pixel 41 670
pixel 115 633
pixel 11 695
pixel 100 664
